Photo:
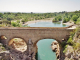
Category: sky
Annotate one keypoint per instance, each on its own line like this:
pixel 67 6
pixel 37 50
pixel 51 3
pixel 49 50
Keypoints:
pixel 39 5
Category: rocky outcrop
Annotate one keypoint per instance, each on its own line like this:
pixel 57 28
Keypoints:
pixel 14 54
pixel 55 48
pixel 72 51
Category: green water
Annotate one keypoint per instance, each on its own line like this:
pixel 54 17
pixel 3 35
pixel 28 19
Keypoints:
pixel 44 46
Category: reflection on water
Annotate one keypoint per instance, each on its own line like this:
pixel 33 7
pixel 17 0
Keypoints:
pixel 57 23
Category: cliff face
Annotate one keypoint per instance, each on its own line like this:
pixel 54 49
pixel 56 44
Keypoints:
pixel 72 49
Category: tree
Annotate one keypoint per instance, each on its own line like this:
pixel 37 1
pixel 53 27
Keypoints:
pixel 1 14
pixel 15 24
pixel 18 21
pixel 23 21
pixel 78 21
pixel 74 17
pixel 59 18
pixel 65 20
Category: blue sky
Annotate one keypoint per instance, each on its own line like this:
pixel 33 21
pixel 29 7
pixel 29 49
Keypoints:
pixel 39 5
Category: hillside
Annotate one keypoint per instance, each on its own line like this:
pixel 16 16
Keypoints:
pixel 72 48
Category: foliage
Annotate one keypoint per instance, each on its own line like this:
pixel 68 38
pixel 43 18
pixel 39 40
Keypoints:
pixel 67 16
pixel 18 21
pixel 76 46
pixel 70 40
pixel 14 24
pixel 78 21
pixel 77 11
pixel 57 18
pixel 65 49
pixel 74 17
pixel 1 14
pixel 74 41
pixel 65 20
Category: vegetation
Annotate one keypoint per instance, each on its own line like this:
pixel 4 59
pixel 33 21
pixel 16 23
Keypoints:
pixel 78 21
pixel 70 40
pixel 65 20
pixel 57 18
pixel 25 17
pixel 72 47
pixel 14 24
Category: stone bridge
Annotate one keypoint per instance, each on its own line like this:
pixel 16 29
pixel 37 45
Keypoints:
pixel 35 34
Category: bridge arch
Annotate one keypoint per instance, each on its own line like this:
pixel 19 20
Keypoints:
pixel 18 44
pixel 35 43
pixel 45 38
pixel 45 41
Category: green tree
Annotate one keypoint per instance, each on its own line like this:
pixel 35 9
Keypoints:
pixel 18 21
pixel 78 21
pixel 1 14
pixel 15 24
pixel 74 17
pixel 59 18
pixel 65 20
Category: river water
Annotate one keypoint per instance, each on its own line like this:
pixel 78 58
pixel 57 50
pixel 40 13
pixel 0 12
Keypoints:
pixel 44 46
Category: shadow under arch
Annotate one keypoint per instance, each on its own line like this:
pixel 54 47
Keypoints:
pixel 18 44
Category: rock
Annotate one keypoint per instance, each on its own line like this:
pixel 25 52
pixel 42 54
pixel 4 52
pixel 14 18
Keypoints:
pixel 55 48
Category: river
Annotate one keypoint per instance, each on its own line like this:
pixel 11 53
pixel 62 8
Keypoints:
pixel 44 46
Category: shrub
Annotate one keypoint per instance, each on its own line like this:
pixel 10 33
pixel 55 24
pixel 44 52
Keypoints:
pixel 76 46
pixel 65 49
pixel 70 40
pixel 16 24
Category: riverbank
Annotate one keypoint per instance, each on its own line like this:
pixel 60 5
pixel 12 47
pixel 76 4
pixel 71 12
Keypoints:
pixel 35 21
pixel 46 20
pixel 69 23
pixel 50 20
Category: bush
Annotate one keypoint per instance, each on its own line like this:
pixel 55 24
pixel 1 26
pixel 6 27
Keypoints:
pixel 18 21
pixel 76 46
pixel 65 49
pixel 16 24
pixel 70 40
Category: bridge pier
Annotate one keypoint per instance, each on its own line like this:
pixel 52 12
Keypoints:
pixel 61 56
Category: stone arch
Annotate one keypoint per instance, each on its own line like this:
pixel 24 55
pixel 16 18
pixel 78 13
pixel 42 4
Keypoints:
pixel 36 47
pixel 18 44
pixel 60 47
pixel 35 43
pixel 45 38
